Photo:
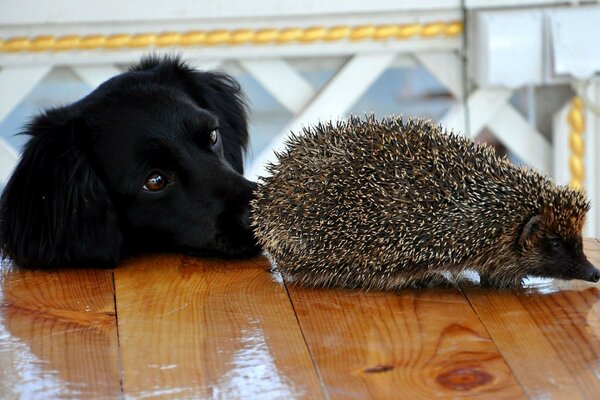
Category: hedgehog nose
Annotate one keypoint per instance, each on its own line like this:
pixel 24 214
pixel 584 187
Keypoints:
pixel 595 277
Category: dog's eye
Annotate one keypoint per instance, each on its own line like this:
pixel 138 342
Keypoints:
pixel 155 182
pixel 214 136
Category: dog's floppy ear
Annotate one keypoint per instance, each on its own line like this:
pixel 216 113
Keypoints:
pixel 55 210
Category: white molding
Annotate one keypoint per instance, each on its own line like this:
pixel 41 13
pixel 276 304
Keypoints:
pixel 332 102
pixel 512 3
pixel 25 12
pixel 208 65
pixel 208 53
pixel 94 75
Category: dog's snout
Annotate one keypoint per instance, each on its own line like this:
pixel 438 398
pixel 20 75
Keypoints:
pixel 248 187
pixel 252 185
pixel 245 221
pixel 240 191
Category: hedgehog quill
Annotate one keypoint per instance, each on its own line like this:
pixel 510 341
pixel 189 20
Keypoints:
pixel 398 203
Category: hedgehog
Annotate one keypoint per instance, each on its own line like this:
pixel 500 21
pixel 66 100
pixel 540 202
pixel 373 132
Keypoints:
pixel 398 203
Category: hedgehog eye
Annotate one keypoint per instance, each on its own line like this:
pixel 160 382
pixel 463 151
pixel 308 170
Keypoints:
pixel 556 244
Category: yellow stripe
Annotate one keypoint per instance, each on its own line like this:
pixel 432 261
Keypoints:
pixel 237 37
pixel 576 121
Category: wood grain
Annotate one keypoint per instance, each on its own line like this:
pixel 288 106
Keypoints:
pixel 549 334
pixel 193 328
pixel 58 335
pixel 415 344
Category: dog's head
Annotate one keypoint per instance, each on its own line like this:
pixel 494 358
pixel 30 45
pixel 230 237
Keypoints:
pixel 150 160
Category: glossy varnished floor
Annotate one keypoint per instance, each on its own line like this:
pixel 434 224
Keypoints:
pixel 176 327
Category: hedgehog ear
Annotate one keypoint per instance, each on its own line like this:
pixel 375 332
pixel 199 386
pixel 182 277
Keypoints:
pixel 530 229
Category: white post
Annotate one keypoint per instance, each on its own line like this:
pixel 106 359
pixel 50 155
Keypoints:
pixel 560 145
pixel 592 160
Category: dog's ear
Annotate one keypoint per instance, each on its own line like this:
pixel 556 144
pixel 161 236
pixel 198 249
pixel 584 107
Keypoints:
pixel 55 210
pixel 222 95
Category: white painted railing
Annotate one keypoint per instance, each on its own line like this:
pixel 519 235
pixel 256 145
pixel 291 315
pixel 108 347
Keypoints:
pixel 267 39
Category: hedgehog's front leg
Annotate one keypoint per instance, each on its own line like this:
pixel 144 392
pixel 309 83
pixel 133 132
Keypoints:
pixel 427 281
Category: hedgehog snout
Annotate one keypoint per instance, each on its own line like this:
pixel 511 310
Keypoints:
pixel 593 275
pixel 586 271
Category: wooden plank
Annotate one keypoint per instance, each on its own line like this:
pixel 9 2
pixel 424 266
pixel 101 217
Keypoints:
pixel 549 334
pixel 192 328
pixel 412 345
pixel 58 336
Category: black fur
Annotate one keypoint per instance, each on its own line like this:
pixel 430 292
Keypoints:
pixel 77 196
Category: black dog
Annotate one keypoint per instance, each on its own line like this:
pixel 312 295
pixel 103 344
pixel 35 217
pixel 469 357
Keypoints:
pixel 150 160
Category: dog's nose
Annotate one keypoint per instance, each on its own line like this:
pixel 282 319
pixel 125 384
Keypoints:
pixel 250 188
pixel 252 185
pixel 245 222
pixel 242 191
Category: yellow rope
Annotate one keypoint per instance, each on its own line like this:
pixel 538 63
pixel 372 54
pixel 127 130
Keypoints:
pixel 576 121
pixel 238 37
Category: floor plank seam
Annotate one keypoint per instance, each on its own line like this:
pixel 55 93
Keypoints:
pixel 119 354
pixel 312 358
pixel 515 376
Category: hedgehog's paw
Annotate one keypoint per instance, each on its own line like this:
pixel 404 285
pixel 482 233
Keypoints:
pixel 431 281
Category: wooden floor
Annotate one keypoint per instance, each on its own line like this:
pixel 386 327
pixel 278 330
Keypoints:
pixel 170 326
